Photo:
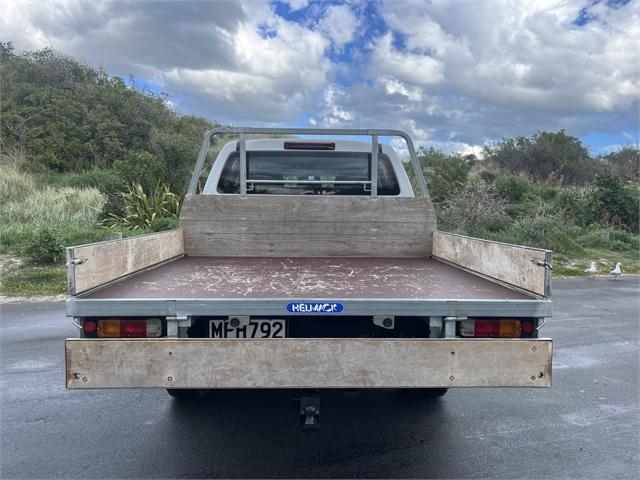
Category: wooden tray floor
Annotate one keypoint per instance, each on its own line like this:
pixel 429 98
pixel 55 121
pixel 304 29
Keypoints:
pixel 306 278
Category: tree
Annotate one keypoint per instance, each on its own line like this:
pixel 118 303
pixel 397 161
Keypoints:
pixel 557 158
pixel 70 117
pixel 615 201
pixel 446 172
pixel 625 162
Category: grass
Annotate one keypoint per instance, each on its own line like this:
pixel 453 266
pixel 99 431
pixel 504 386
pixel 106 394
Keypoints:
pixel 568 266
pixel 26 204
pixel 33 279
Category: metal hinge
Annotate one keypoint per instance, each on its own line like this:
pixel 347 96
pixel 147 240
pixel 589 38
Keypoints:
pixel 77 261
pixel 541 263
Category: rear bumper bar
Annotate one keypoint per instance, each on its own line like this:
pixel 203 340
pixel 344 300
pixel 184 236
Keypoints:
pixel 308 363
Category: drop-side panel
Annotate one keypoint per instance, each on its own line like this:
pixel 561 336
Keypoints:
pixel 96 264
pixel 523 267
pixel 308 363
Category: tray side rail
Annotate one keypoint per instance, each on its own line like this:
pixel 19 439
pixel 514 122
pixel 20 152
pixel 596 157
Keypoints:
pixel 95 264
pixel 523 267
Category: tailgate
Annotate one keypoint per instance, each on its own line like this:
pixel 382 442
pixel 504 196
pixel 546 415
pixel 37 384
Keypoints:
pixel 308 363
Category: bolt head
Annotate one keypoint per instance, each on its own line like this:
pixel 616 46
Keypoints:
pixel 234 322
pixel 387 322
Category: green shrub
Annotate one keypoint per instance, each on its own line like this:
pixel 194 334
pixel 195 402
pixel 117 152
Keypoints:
pixel 108 182
pixel 575 205
pixel 619 246
pixel 475 207
pixel 161 224
pixel 546 231
pixel 446 173
pixel 513 188
pixel 142 209
pixel 591 239
pixel 497 223
pixel 615 201
pixel 630 240
pixel 541 229
pixel 545 191
pixel 45 246
pixel 84 235
pixel 140 167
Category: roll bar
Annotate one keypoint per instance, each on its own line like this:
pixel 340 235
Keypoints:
pixel 244 131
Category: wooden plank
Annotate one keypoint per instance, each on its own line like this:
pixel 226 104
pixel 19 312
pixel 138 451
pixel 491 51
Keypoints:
pixel 274 245
pixel 106 261
pixel 308 363
pixel 194 227
pixel 508 263
pixel 218 225
pixel 306 208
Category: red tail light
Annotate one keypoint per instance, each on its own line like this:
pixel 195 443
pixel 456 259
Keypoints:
pixel 133 328
pixel 89 326
pixel 123 328
pixel 309 146
pixel 487 328
pixel 495 327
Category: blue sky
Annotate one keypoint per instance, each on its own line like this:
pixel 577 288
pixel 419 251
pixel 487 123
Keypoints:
pixel 455 74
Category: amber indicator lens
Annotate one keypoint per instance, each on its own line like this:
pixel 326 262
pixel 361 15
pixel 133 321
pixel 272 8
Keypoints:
pixel 510 328
pixel 109 328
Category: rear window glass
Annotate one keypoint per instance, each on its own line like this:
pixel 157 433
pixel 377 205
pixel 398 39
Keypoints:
pixel 308 173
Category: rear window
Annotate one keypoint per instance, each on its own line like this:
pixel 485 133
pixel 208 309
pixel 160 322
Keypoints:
pixel 308 173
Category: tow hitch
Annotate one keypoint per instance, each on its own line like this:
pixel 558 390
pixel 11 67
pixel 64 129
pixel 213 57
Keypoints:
pixel 310 413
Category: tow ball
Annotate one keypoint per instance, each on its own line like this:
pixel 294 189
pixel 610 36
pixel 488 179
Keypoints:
pixel 310 413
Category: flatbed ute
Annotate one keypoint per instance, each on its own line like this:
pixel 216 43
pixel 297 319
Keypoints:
pixel 349 285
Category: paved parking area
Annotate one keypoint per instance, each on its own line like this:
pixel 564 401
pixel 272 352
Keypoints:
pixel 586 426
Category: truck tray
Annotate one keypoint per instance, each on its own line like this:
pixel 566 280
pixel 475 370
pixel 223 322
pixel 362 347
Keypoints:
pixel 264 286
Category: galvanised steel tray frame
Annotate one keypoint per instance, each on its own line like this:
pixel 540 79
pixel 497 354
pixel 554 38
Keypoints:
pixel 82 307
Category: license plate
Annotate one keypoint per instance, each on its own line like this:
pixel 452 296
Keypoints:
pixel 253 329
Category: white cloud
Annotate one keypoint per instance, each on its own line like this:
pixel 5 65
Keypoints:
pixel 393 86
pixel 414 68
pixel 227 60
pixel 339 24
pixel 455 74
pixel 469 72
pixel 334 115
pixel 297 4
pixel 274 76
pixel 528 54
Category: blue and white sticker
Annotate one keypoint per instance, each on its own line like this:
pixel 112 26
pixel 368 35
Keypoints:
pixel 314 307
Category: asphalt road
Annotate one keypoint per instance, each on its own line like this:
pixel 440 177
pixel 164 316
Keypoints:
pixel 586 426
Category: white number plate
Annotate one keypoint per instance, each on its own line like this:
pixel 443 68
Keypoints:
pixel 253 329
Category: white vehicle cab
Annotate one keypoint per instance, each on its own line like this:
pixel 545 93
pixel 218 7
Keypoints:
pixel 291 166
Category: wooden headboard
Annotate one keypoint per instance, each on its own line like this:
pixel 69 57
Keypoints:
pixel 306 226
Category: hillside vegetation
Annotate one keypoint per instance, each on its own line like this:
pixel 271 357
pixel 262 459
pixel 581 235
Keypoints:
pixel 83 154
